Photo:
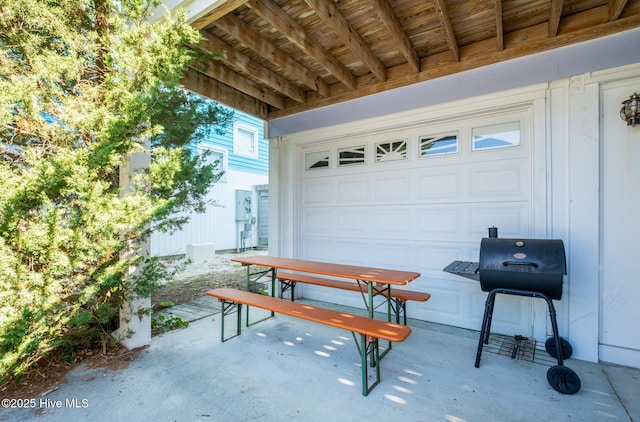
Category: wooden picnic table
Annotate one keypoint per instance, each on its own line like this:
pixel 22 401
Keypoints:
pixel 378 280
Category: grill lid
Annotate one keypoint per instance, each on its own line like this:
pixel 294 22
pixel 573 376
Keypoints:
pixel 523 264
pixel 539 256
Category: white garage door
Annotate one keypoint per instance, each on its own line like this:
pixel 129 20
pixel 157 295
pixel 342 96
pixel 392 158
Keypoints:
pixel 416 199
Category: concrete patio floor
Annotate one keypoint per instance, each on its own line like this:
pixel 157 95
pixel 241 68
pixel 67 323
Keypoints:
pixel 286 369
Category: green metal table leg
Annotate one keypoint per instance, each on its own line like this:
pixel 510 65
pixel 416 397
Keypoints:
pixel 222 322
pixel 388 297
pixel 239 320
pixel 273 282
pixel 248 289
pixel 370 294
pixel 259 275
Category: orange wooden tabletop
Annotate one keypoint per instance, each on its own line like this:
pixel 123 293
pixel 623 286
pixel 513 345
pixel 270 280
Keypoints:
pixel 369 274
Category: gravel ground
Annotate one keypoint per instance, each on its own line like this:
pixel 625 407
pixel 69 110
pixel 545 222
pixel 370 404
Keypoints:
pixel 197 278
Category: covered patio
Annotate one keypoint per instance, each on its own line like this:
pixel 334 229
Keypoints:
pixel 327 76
pixel 289 369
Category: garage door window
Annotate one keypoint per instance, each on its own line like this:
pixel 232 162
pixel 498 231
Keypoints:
pixel 438 144
pixel 350 156
pixel 391 150
pixel 502 135
pixel 316 160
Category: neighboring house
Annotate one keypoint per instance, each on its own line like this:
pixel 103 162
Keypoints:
pixel 417 189
pixel 237 215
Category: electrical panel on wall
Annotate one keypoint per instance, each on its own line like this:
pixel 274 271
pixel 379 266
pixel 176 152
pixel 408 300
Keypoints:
pixel 243 205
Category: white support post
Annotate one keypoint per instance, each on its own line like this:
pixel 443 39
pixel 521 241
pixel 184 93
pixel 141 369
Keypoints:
pixel 135 325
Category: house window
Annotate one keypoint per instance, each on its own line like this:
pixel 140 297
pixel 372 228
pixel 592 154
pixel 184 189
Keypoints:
pixel 438 144
pixel 316 160
pixel 496 136
pixel 391 150
pixel 352 155
pixel 215 156
pixel 245 141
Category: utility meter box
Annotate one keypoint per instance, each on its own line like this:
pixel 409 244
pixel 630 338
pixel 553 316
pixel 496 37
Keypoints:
pixel 243 205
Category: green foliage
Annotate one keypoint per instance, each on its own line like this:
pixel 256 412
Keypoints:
pixel 84 85
pixel 162 324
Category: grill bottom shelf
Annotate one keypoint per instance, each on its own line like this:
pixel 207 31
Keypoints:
pixel 527 350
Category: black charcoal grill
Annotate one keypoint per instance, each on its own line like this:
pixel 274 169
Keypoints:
pixel 523 267
pixel 522 264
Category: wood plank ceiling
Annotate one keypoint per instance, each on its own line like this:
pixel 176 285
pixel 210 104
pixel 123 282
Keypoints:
pixel 280 57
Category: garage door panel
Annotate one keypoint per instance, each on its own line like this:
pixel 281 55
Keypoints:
pixel 352 221
pixel 432 257
pixel 437 186
pixel 393 222
pixel 352 190
pixel 316 192
pixel 512 219
pixel 318 221
pixel 387 188
pixel 354 251
pixel 446 300
pixel 451 303
pixel 503 180
pixel 508 314
pixel 392 255
pixel 438 222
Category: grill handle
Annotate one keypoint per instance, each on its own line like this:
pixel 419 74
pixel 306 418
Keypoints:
pixel 524 263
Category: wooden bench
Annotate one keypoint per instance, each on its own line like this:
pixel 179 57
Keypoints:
pixel 399 297
pixel 370 330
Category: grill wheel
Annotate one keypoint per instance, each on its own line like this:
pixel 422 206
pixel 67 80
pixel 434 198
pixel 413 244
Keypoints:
pixel 562 379
pixel 550 347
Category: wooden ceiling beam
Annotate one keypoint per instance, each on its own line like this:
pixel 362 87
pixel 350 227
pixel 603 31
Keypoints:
pixel 235 27
pixel 443 16
pixel 393 25
pixel 554 16
pixel 244 64
pixel 331 15
pixel 218 10
pixel 204 85
pixel 615 8
pixel 499 25
pixel 227 76
pixel 476 55
pixel 287 26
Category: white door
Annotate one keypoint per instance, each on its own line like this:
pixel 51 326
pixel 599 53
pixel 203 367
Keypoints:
pixel 263 218
pixel 620 195
pixel 418 198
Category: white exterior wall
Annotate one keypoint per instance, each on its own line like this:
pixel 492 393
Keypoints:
pixel 562 199
pixel 218 224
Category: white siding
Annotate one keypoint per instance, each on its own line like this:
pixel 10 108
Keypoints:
pixel 218 224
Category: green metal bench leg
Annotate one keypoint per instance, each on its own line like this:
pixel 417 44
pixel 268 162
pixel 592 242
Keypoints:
pixel 400 307
pixel 288 285
pixel 226 306
pixel 369 351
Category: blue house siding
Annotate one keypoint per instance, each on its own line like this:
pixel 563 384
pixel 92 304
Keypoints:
pixel 258 165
